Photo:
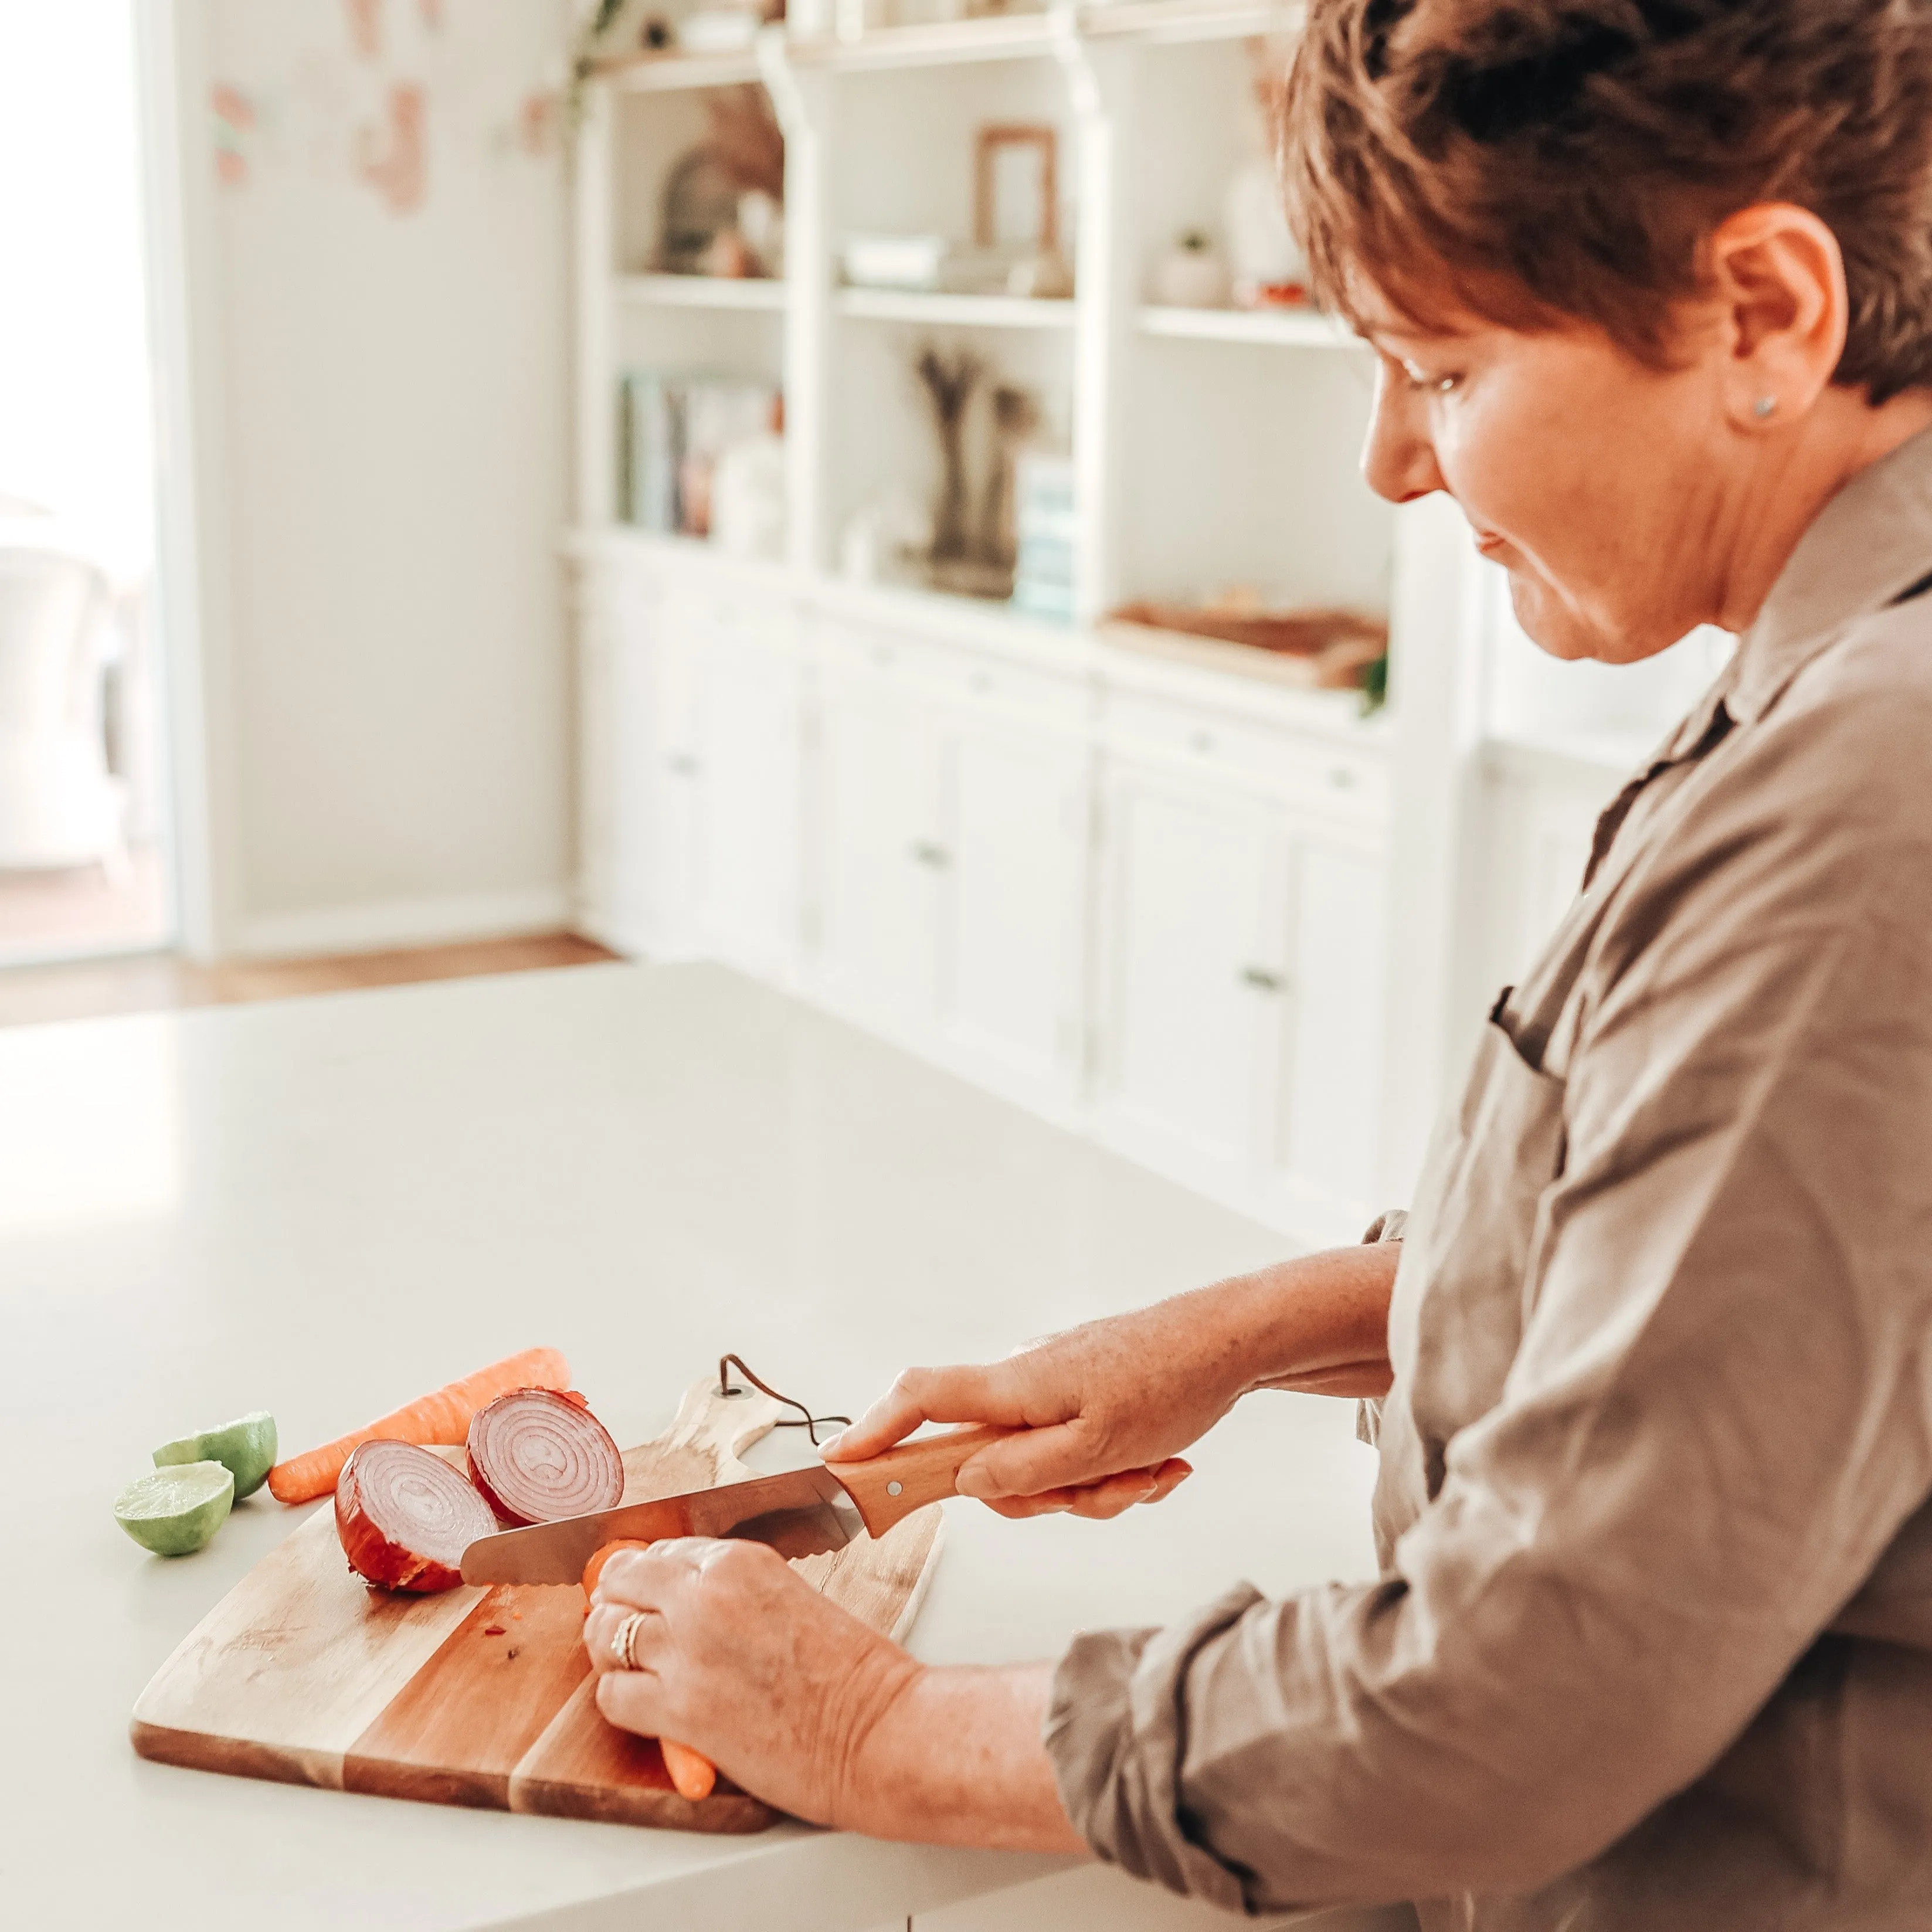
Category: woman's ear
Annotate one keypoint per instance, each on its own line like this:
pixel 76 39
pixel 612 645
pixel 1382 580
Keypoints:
pixel 1778 280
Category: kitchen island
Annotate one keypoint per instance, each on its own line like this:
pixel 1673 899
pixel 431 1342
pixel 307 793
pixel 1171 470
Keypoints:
pixel 323 1207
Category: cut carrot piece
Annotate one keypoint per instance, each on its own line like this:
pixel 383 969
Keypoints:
pixel 693 1775
pixel 443 1418
pixel 594 1568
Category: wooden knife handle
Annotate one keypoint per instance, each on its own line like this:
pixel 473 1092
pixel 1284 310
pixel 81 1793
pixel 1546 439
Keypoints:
pixel 889 1488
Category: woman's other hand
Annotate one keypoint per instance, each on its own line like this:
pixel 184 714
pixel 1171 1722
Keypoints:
pixel 736 1656
pixel 1104 1410
pixel 740 1658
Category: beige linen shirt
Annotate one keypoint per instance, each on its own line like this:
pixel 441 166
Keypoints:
pixel 1652 1645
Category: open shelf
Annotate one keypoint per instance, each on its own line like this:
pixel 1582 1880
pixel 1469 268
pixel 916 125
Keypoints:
pixel 943 311
pixel 1003 36
pixel 701 292
pixel 1287 328
pixel 670 72
pixel 1174 22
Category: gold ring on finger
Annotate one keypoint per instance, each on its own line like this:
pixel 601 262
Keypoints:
pixel 624 1637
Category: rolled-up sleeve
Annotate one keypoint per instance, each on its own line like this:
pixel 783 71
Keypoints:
pixel 1718 1417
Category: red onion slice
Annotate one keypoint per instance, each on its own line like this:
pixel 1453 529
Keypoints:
pixel 537 1455
pixel 406 1516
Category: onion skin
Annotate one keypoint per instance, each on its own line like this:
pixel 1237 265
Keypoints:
pixel 517 1494
pixel 374 1494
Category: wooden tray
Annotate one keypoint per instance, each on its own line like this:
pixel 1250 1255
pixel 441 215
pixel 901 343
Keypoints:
pixel 304 1674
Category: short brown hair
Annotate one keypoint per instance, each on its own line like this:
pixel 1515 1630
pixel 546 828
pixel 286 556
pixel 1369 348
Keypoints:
pixel 1540 160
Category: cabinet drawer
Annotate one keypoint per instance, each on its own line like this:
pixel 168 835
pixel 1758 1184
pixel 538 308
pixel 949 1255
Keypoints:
pixel 749 616
pixel 1326 777
pixel 958 674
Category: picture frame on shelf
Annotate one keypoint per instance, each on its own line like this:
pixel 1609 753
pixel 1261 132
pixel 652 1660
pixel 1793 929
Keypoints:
pixel 1016 187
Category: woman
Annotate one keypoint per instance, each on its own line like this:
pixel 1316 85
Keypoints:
pixel 1650 282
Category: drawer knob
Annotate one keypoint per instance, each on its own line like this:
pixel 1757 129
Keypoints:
pixel 927 854
pixel 1261 980
pixel 684 765
pixel 1341 778
pixel 1202 742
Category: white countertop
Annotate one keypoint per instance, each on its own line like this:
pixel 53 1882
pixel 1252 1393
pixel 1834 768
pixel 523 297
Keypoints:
pixel 325 1207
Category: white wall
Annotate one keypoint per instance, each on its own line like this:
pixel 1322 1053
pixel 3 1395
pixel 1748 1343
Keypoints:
pixel 380 413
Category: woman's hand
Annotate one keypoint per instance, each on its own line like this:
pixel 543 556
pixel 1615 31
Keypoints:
pixel 807 1709
pixel 740 1659
pixel 1103 1410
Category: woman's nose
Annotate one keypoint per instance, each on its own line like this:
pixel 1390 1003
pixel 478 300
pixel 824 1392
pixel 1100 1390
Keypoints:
pixel 1399 459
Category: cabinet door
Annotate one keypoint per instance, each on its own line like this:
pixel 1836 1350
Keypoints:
pixel 882 857
pixel 748 830
pixel 1191 971
pixel 667 675
pixel 615 634
pixel 1016 844
pixel 1326 1151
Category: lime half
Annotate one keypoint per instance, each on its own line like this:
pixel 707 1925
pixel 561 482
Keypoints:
pixel 175 1510
pixel 246 1446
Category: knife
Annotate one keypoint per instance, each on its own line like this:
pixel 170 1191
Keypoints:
pixel 799 1513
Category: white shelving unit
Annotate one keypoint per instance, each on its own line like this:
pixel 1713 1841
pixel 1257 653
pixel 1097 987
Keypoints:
pixel 701 292
pixel 937 310
pixel 1278 328
pixel 1235 929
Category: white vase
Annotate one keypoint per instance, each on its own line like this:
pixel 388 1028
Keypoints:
pixel 1190 278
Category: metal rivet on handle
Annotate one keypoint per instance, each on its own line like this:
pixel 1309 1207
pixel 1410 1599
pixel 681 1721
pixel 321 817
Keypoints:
pixel 892 1489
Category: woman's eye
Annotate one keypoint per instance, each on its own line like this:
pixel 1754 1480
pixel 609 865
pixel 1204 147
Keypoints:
pixel 1424 378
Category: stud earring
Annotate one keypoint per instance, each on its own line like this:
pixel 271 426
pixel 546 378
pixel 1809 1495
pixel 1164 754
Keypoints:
pixel 1764 408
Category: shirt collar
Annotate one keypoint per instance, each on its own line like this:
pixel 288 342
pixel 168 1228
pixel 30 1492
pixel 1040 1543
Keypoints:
pixel 1871 541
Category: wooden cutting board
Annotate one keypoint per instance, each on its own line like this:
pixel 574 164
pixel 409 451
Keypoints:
pixel 303 1673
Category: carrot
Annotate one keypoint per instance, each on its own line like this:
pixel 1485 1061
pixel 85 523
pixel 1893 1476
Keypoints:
pixel 443 1418
pixel 692 1776
pixel 594 1568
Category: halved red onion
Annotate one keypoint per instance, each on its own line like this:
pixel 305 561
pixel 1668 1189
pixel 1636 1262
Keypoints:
pixel 537 1455
pixel 406 1516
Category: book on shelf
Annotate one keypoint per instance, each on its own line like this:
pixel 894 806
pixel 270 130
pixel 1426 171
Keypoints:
pixel 1046 528
pixel 673 425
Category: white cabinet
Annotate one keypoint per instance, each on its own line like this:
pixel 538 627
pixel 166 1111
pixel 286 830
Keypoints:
pixel 617 867
pixel 748 794
pixel 1240 949
pixel 880 854
pixel 1324 1157
pixel 1015 841
pixel 1191 969
pixel 693 721
pixel 1143 913
pixel 953 862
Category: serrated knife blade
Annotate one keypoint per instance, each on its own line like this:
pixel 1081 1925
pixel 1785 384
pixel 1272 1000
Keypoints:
pixel 799 1513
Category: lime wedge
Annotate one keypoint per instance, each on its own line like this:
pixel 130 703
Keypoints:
pixel 175 1510
pixel 246 1446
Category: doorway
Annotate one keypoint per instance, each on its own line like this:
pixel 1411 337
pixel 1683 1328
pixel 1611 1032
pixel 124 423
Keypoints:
pixel 85 865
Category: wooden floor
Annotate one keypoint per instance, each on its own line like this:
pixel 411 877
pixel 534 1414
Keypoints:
pixel 80 907
pixel 151 983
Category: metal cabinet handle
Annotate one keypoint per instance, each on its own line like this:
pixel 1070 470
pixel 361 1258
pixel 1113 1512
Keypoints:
pixel 927 854
pixel 1261 980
